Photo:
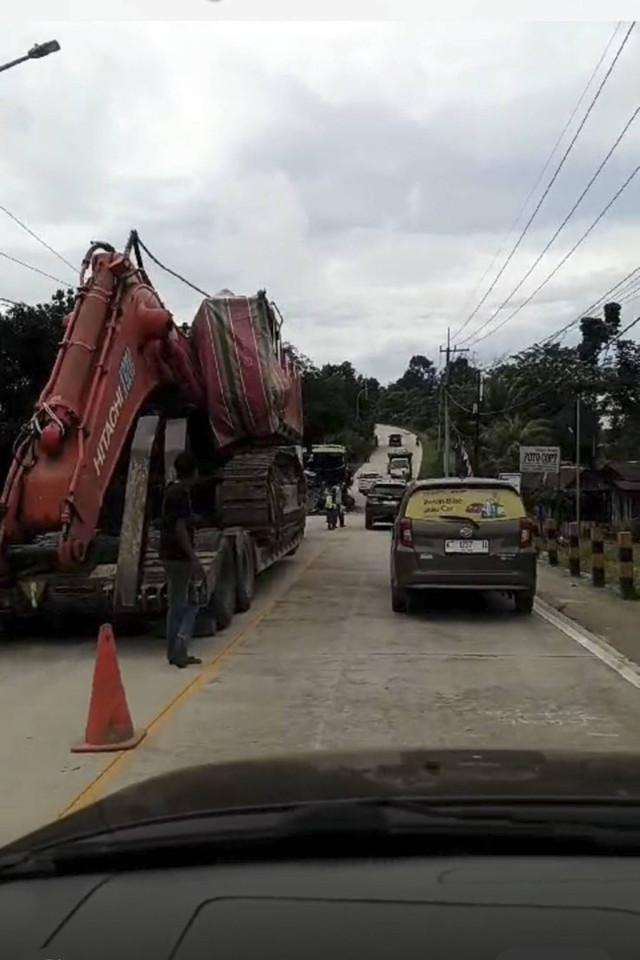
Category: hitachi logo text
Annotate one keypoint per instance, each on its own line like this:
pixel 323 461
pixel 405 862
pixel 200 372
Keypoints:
pixel 127 376
pixel 108 429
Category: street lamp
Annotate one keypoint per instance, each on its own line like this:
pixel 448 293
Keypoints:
pixel 37 51
pixel 365 391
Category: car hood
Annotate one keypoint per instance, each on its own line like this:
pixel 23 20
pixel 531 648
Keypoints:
pixel 451 774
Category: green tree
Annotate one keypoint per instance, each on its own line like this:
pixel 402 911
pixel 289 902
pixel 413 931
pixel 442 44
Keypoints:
pixel 621 402
pixel 412 400
pixel 502 437
pixel 339 407
pixel 29 338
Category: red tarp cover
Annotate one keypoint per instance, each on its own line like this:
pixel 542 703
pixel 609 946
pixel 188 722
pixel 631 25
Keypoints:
pixel 253 391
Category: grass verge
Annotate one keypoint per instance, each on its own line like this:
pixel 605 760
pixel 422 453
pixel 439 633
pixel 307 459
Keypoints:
pixel 430 466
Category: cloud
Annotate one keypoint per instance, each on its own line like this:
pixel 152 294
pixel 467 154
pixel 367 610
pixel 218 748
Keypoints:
pixel 365 174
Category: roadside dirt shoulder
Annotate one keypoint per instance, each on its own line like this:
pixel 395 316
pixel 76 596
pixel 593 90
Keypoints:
pixel 598 610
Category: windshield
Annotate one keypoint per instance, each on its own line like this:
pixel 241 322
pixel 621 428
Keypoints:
pixel 341 252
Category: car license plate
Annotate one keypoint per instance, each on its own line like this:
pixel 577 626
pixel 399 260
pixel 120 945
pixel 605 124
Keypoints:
pixel 388 503
pixel 466 546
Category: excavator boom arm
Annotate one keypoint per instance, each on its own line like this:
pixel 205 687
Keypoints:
pixel 119 346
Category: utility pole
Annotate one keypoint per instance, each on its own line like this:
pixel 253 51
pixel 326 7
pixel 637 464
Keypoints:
pixel 476 429
pixel 448 350
pixel 578 464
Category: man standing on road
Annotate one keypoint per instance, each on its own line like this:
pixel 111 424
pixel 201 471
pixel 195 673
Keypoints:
pixel 182 567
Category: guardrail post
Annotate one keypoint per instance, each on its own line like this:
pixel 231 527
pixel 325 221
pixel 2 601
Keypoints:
pixel 552 542
pixel 625 566
pixel 574 550
pixel 597 557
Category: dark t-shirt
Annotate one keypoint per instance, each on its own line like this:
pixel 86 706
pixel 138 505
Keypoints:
pixel 176 505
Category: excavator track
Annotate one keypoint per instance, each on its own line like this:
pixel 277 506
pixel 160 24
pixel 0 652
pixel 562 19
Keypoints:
pixel 264 492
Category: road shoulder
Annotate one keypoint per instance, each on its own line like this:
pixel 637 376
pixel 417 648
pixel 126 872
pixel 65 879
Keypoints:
pixel 598 610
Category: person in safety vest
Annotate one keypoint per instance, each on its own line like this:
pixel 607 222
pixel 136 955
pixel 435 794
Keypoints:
pixel 331 508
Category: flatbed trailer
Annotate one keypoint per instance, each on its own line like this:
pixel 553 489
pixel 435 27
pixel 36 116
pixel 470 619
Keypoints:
pixel 129 579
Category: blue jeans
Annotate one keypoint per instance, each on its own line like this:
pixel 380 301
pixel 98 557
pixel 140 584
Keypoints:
pixel 181 613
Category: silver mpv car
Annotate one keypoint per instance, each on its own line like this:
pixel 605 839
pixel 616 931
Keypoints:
pixel 470 533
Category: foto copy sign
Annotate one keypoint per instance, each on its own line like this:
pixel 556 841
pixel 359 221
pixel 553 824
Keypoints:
pixel 539 459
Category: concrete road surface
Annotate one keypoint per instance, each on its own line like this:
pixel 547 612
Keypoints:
pixel 378 461
pixel 319 663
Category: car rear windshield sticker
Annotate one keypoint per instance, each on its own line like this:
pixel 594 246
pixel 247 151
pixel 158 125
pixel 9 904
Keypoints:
pixel 477 504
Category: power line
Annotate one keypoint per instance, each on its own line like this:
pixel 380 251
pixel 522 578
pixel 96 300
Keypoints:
pixel 562 332
pixel 564 259
pixel 631 280
pixel 559 230
pixel 630 293
pixel 137 241
pixel 593 306
pixel 628 327
pixel 457 402
pixel 38 238
pixel 521 403
pixel 513 406
pixel 49 276
pixel 525 400
pixel 540 176
pixel 553 179
pixel 528 399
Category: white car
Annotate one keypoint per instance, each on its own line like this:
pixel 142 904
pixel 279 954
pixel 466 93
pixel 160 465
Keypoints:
pixel 367 479
pixel 399 473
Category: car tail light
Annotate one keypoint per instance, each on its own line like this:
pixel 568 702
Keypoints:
pixel 526 533
pixel 406 532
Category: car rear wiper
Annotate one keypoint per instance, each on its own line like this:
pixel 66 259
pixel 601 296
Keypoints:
pixel 454 516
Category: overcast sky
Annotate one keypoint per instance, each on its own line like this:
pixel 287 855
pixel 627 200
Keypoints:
pixel 364 173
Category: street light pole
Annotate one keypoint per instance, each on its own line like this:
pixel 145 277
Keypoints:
pixel 476 430
pixel 364 390
pixel 578 464
pixel 36 52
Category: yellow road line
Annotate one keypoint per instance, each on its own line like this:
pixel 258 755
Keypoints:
pixel 211 668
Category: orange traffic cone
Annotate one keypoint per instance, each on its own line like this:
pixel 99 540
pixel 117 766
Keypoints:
pixel 109 726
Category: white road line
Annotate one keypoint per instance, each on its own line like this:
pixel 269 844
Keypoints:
pixel 595 645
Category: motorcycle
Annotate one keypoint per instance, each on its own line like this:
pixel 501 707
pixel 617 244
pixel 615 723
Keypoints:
pixel 348 500
pixel 332 517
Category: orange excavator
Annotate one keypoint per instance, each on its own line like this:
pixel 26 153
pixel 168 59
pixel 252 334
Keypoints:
pixel 129 389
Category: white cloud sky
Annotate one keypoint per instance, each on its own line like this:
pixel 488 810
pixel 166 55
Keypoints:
pixel 365 173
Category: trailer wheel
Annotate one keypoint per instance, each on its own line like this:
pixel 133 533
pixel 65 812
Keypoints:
pixel 246 578
pixel 222 605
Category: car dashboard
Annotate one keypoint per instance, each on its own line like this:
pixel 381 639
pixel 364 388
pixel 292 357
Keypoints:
pixel 512 908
